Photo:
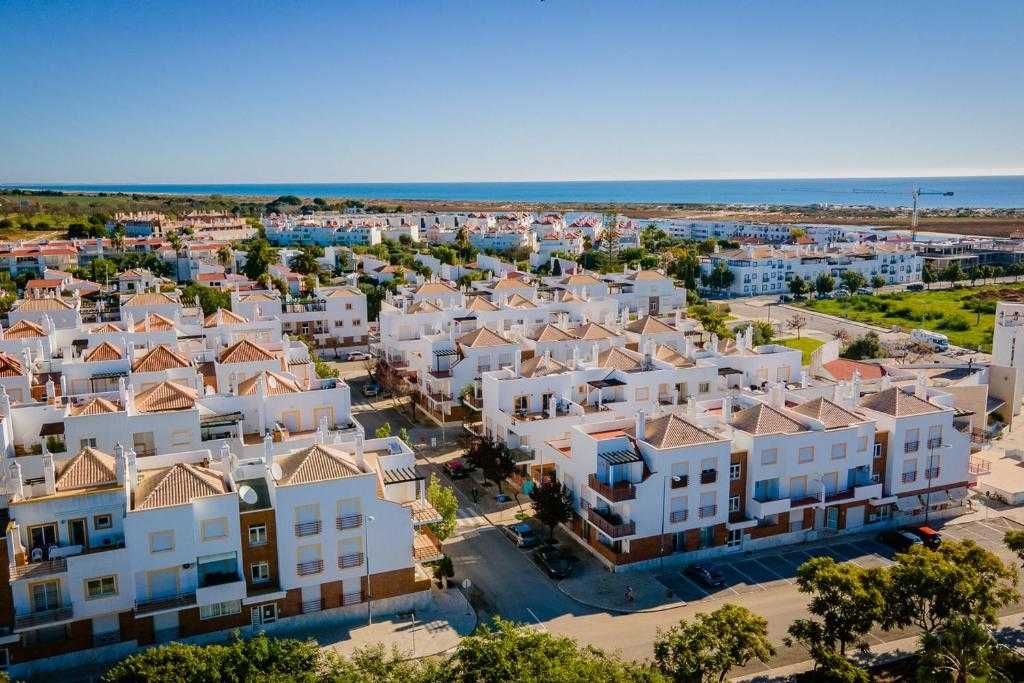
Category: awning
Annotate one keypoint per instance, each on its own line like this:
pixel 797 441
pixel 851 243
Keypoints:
pixel 220 420
pixel 620 457
pixel 994 404
pixel 445 352
pixel 463 318
pixel 722 372
pixel 113 374
pixel 51 429
pixel 605 383
pixel 401 475
pixel 909 503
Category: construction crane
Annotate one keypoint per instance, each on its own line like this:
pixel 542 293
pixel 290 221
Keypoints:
pixel 915 193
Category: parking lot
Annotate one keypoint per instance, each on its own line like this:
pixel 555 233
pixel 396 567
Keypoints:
pixel 765 570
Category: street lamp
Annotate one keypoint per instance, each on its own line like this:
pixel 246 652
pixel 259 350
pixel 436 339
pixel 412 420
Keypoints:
pixel 369 601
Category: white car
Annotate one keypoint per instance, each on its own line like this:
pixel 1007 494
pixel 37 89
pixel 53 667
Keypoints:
pixel 358 355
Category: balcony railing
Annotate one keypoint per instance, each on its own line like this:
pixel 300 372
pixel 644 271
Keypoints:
pixel 935 442
pixel 680 481
pixel 932 472
pixel 679 516
pixel 307 528
pixel 911 446
pixel 349 522
pixel 610 528
pixel 978 466
pixel 43 617
pixel 164 603
pixel 350 560
pixel 709 476
pixel 707 511
pixel 613 492
pixel 909 477
pixel 34 570
pixel 310 567
pixel 312 606
pixel 353 598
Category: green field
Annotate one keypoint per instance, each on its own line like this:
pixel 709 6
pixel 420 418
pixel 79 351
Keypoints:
pixel 965 314
pixel 806 345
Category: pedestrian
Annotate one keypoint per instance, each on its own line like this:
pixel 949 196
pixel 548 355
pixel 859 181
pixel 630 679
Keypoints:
pixel 475 495
pixel 629 595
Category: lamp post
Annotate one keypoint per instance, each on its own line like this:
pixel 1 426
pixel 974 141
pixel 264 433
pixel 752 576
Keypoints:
pixel 369 601
pixel 928 478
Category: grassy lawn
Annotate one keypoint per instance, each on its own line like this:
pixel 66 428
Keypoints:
pixel 965 315
pixel 806 346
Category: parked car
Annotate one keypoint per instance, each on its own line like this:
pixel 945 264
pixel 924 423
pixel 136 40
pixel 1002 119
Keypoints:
pixel 521 534
pixel 841 293
pixel 371 389
pixel 916 287
pixel 929 536
pixel 458 468
pixel 899 539
pixel 706 575
pixel 358 355
pixel 865 290
pixel 785 299
pixel 554 562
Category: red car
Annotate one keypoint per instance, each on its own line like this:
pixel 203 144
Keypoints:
pixel 929 536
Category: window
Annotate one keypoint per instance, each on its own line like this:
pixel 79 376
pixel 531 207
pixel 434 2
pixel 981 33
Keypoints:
pixel 181 437
pixel 735 471
pixel 838 451
pixel 934 436
pixel 100 587
pixel 257 534
pixel 264 614
pixel 769 456
pixel 356 322
pixel 911 442
pixel 339 323
pixel 348 307
pixel 643 393
pixel 734 504
pixel 704 387
pixel 100 522
pixel 88 443
pixel 260 571
pixel 735 538
pixel 220 609
pixel 161 541
pixel 214 529
pixel 862 444
pixel 805 454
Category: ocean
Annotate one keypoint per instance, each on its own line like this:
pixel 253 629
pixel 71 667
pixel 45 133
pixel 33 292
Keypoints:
pixel 998 192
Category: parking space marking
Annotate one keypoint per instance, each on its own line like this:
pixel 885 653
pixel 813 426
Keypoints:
pixel 778 575
pixel 751 582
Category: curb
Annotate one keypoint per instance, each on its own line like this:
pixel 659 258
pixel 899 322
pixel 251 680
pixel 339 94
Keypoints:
pixel 619 610
pixel 835 318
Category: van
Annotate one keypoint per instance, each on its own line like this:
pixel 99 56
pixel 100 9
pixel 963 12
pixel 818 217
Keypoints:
pixel 933 340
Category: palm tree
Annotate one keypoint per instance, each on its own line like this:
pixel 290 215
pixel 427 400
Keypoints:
pixel 226 257
pixel 117 238
pixel 177 244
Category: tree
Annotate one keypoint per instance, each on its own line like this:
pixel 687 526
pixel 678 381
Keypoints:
pixel 866 346
pixel 973 273
pixel 305 261
pixel 711 646
pixel 1014 540
pixel 846 599
pixel 226 257
pixel 797 322
pixel 208 298
pixel 552 503
pixel 963 651
pixel 686 267
pixel 853 280
pixel 877 281
pixel 952 273
pixel 763 332
pixel 443 499
pixel 720 277
pixel 928 275
pixel 799 287
pixel 493 459
pixel 384 431
pixel 929 588
pixel 824 283
pixel 258 258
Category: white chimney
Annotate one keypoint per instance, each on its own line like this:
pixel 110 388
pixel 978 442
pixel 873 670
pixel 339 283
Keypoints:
pixel 51 391
pixel 49 473
pixel 691 406
pixel 803 379
pixel 360 456
pixel 640 424
pixel 120 465
pixel 15 484
pixel 855 388
pixel 268 450
pixel 920 390
pixel 133 467
pixel 727 409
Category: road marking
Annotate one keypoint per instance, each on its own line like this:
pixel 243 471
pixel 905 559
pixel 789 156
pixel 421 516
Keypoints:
pixel 539 626
pixel 751 582
pixel 771 570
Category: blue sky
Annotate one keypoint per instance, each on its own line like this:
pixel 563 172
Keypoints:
pixel 507 90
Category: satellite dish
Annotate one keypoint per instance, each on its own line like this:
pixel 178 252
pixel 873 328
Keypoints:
pixel 248 495
pixel 275 471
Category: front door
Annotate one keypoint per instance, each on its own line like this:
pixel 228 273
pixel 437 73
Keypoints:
pixel 832 518
pixel 652 305
pixel 77 534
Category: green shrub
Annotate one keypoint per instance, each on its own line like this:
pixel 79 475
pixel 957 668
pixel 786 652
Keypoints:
pixel 954 323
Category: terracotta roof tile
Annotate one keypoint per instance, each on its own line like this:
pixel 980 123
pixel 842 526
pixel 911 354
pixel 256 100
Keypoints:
pixel 541 366
pixel 843 369
pixel 276 384
pixel 672 431
pixel 177 485
pixel 762 419
pixel 594 331
pixel 45 304
pixel 150 299
pixel 106 327
pixel 24 329
pixel 157 323
pixel 90 468
pixel 423 307
pixel 480 303
pixel 165 396
pixel 223 316
pixel 105 351
pixel 436 288
pixel 551 333
pixel 670 355
pixel 649 325
pixel 316 463
pixel 620 359
pixel 482 336
pixel 95 406
pixel 520 301
pixel 646 276
pixel 832 414
pixel 245 351
pixel 898 403
pixel 159 358
pixel 10 366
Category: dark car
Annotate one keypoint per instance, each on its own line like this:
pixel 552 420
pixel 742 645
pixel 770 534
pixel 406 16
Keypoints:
pixel 916 287
pixel 521 534
pixel 706 575
pixel 371 389
pixel 900 540
pixel 555 563
pixel 929 536
pixel 457 469
pixel 785 299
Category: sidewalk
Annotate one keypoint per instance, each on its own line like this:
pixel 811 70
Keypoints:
pixel 593 586
pixel 436 629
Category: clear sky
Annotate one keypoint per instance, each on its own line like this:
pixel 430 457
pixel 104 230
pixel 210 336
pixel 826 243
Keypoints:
pixel 508 90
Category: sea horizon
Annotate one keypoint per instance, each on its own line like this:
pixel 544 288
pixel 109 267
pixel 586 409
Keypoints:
pixel 974 192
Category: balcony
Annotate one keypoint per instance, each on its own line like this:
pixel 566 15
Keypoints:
pixel 307 528
pixel 709 476
pixel 311 606
pixel 979 466
pixel 350 560
pixel 909 477
pixel 932 473
pixel 935 442
pixel 759 508
pixel 353 598
pixel 309 568
pixel 162 604
pixel 615 493
pixel 911 446
pixel 611 524
pixel 707 511
pixel 425 547
pixel 867 491
pixel 680 481
pixel 42 618
pixel 353 521
pixel 38 570
pixel 678 516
